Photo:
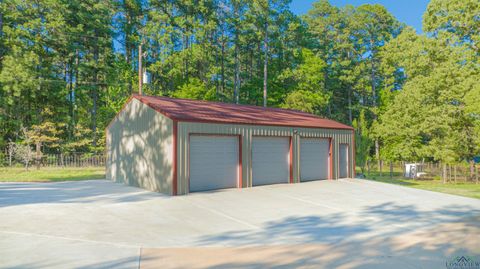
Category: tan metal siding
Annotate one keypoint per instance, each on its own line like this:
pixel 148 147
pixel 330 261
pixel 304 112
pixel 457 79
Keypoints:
pixel 140 149
pixel 247 132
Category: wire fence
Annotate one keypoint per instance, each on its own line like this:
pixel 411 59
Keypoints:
pixel 460 172
pixel 77 159
pixel 455 173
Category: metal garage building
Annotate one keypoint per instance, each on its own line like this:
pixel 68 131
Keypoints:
pixel 177 146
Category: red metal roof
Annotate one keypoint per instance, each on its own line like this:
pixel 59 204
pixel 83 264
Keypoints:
pixel 216 112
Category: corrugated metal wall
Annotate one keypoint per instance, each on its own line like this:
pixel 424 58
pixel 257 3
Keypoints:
pixel 247 132
pixel 140 148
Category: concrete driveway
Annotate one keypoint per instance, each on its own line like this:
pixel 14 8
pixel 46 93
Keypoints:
pixel 323 224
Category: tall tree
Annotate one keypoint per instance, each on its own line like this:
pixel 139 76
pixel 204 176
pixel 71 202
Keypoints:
pixel 455 20
pixel 428 116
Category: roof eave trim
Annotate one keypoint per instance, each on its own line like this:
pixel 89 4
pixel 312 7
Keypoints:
pixel 261 124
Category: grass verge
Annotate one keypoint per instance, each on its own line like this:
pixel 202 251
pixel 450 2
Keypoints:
pixel 48 174
pixel 467 189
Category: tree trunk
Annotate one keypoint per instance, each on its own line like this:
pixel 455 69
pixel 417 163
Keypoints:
pixel 368 167
pixel 444 173
pixel 350 119
pixel 223 64
pixel 372 76
pixel 1 37
pixel 187 63
pixel 265 64
pixel 95 97
pixel 10 152
pixel 250 77
pixel 128 45
pixel 71 97
pixel 349 93
pixel 217 85
pixel 38 154
pixel 450 173
pixel 236 81
pixel 381 167
pixel 77 77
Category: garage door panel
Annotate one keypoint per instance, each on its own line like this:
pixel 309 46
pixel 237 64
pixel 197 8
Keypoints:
pixel 213 162
pixel 270 160
pixel 343 160
pixel 314 158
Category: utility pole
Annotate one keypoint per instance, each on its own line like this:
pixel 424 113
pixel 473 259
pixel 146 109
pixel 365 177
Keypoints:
pixel 140 71
pixel 265 64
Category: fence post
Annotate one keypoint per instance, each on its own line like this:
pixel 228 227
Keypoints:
pixel 476 174
pixel 455 173
pixel 472 169
pixel 449 173
pixel 444 173
pixel 70 159
pixel 391 170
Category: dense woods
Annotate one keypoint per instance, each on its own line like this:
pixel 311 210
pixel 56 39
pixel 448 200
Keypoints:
pixel 67 67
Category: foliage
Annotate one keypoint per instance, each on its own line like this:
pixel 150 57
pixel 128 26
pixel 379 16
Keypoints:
pixel 196 90
pixel 363 141
pixel 67 68
pixel 79 142
pixel 306 101
pixel 455 20
pixel 432 113
pixel 46 133
pixel 23 151
pixel 25 154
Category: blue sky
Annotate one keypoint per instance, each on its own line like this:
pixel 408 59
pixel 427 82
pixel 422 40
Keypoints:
pixel 407 11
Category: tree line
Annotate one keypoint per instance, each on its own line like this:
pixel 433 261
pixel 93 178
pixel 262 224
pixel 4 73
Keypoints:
pixel 67 67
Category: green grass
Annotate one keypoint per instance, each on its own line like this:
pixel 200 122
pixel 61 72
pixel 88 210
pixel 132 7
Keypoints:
pixel 47 174
pixel 468 189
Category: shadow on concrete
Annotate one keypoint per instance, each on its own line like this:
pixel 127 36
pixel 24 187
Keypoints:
pixel 71 262
pixel 302 229
pixel 13 194
pixel 128 262
pixel 429 239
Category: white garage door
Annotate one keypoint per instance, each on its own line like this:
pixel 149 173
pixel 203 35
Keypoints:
pixel 270 160
pixel 213 162
pixel 314 158
pixel 343 160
